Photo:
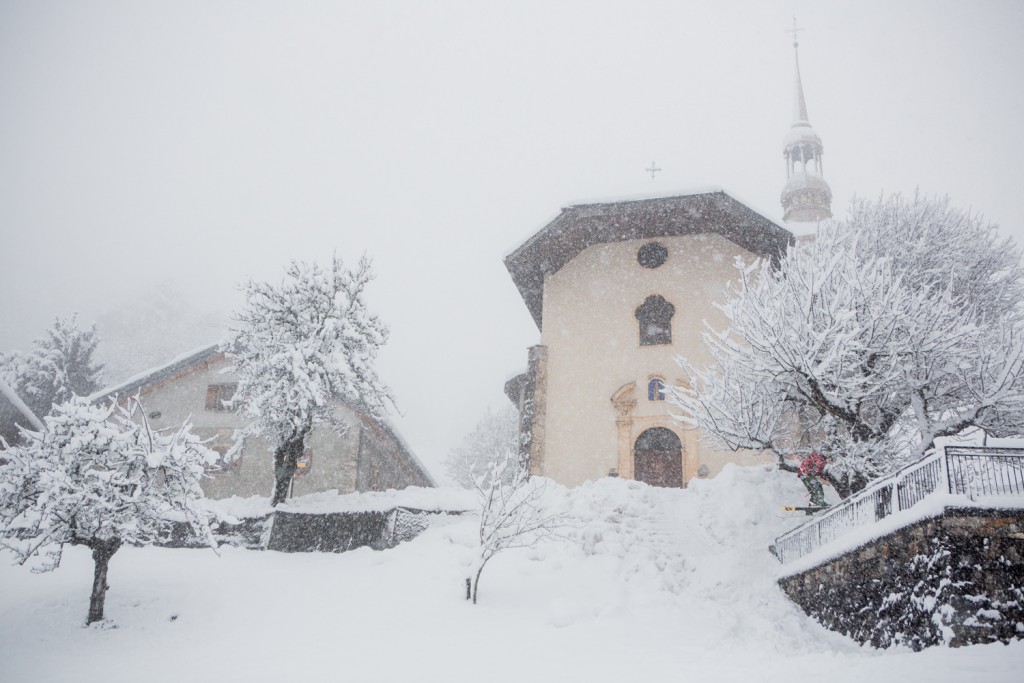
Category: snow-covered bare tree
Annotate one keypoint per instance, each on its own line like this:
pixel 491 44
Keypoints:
pixel 96 478
pixel 496 434
pixel 59 366
pixel 303 346
pixel 894 327
pixel 512 511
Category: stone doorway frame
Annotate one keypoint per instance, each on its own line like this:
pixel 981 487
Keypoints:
pixel 629 426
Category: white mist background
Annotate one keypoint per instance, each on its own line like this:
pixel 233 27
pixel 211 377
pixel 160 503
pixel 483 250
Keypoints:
pixel 153 155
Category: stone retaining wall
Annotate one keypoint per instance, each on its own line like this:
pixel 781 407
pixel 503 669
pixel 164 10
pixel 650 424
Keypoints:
pixel 953 579
pixel 336 532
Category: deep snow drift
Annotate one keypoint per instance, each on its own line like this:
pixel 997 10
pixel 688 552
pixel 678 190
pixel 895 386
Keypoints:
pixel 644 584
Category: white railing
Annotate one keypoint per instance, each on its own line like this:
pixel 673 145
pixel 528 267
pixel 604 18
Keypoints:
pixel 980 472
pixel 971 472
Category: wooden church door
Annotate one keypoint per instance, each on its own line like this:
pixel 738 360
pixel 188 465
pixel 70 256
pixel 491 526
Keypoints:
pixel 658 458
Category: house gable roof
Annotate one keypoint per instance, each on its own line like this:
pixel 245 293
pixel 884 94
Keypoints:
pixel 404 452
pixel 202 358
pixel 578 227
pixel 14 413
pixel 187 363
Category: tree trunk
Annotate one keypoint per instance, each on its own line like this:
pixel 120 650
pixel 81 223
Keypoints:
pixel 846 485
pixel 858 483
pixel 102 551
pixel 286 459
pixel 476 580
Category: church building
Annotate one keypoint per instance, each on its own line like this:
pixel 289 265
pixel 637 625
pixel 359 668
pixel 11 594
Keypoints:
pixel 619 291
pixel 806 197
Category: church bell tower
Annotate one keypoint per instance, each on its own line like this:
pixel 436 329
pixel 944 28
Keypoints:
pixel 806 197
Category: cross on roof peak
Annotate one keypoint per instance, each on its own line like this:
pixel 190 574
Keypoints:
pixel 795 30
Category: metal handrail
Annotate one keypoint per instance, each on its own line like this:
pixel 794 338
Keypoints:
pixel 974 472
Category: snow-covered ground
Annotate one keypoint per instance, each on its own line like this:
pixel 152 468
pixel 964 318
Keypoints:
pixel 645 585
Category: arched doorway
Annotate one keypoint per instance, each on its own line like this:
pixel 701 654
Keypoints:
pixel 658 458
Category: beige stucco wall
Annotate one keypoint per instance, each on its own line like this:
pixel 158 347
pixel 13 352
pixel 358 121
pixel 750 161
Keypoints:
pixel 592 337
pixel 334 457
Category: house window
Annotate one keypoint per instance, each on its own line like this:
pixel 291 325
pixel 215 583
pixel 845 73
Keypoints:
pixel 655 318
pixel 223 465
pixel 304 464
pixel 220 441
pixel 656 390
pixel 218 396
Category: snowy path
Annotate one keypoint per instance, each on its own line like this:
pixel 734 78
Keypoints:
pixel 710 573
pixel 655 586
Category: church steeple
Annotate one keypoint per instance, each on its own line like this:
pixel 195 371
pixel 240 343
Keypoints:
pixel 806 196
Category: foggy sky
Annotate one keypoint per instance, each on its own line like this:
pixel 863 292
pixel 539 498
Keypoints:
pixel 186 146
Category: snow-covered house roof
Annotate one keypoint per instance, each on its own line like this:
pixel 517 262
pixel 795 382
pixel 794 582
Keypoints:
pixel 578 227
pixel 409 458
pixel 189 362
pixel 14 413
pixel 202 358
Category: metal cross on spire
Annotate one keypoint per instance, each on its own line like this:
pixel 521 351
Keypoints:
pixel 653 170
pixel 795 30
pixel 799 104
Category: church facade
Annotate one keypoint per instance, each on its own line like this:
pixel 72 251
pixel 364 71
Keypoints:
pixel 618 292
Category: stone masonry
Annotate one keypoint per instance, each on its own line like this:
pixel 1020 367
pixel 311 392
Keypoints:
pixel 955 579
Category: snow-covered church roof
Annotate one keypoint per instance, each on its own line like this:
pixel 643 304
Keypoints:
pixel 578 227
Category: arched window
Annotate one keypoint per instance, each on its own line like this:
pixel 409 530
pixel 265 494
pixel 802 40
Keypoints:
pixel 655 318
pixel 656 390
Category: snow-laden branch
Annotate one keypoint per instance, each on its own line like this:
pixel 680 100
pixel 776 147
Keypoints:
pixel 891 329
pixel 303 346
pixel 95 477
pixel 512 511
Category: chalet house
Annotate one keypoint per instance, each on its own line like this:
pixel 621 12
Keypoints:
pixel 199 386
pixel 618 292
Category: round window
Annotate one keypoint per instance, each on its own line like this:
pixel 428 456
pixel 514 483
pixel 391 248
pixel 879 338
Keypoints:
pixel 652 255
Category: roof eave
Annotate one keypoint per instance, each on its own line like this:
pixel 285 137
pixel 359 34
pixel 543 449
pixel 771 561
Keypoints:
pixel 158 374
pixel 528 271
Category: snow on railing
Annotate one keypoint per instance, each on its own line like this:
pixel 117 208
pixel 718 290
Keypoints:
pixel 977 472
pixel 972 472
